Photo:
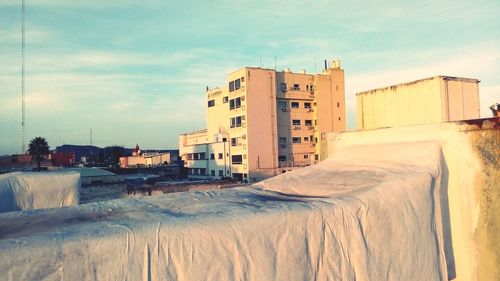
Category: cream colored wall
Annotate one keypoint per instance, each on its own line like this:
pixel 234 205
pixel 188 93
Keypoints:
pixel 261 122
pixel 472 160
pixel 406 104
pixel 135 160
pixel 239 132
pixel 425 101
pixel 217 116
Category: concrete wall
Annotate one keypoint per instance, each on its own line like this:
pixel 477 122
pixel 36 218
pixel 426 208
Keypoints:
pixel 472 157
pixel 431 100
pixel 262 129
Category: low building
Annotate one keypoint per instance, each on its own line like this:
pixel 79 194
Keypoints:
pixel 148 158
pixel 62 158
pixel 430 100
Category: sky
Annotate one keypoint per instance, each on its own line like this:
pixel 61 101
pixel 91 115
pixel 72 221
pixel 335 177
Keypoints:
pixel 134 72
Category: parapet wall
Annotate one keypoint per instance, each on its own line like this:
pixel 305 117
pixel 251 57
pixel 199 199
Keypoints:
pixel 471 153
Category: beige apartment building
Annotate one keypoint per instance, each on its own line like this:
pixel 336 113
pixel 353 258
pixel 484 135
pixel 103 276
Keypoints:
pixel 264 122
pixel 431 100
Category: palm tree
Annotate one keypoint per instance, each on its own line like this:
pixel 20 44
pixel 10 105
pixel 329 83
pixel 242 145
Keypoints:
pixel 38 148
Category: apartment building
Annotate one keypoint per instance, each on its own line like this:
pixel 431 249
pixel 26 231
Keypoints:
pixel 264 122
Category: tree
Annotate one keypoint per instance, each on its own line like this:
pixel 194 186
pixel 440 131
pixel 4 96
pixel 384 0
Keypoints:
pixel 38 149
pixel 116 153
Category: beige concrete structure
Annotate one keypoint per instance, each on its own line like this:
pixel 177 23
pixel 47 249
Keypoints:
pixel 147 159
pixel 265 122
pixel 431 100
pixel 472 197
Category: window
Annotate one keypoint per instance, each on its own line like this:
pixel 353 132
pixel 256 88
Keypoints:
pixel 307 87
pixel 306 139
pixel 236 159
pixel 234 141
pixel 236 122
pixel 221 173
pixel 212 156
pixel 296 87
pixel 282 140
pixel 316 157
pixel 211 103
pixel 242 79
pixel 231 86
pixel 220 156
pixel 202 156
pixel 283 87
pixel 237 84
pixel 282 158
pixel 282 103
pixel 212 173
pixel 225 99
pixel 196 156
pixel 296 140
pixel 189 156
pixel 308 122
pixel 306 156
pixel 307 105
pixel 339 118
pixel 235 103
pixel 295 105
pixel 296 122
pixel 202 171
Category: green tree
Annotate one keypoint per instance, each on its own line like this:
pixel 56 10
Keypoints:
pixel 38 149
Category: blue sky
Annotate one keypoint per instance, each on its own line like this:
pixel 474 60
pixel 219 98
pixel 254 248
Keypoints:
pixel 135 71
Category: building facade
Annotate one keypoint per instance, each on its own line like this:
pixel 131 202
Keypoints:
pixel 147 159
pixel 431 100
pixel 264 122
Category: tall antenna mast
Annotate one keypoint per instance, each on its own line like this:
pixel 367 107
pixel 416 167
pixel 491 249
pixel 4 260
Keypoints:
pixel 23 123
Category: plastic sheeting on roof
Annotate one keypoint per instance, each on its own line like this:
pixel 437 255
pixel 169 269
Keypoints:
pixel 350 218
pixel 32 190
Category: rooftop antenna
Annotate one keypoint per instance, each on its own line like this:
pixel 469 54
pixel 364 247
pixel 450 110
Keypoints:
pixel 23 123
pixel 275 62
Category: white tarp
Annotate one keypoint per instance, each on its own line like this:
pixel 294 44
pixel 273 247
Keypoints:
pixel 38 190
pixel 352 217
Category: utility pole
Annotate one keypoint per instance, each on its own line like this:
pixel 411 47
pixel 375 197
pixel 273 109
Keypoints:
pixel 23 123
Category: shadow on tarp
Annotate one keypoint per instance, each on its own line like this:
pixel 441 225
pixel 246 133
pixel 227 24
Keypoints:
pixel 446 221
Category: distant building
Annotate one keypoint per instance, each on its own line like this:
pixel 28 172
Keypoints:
pixel 264 122
pixel 62 158
pixel 431 100
pixel 148 158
